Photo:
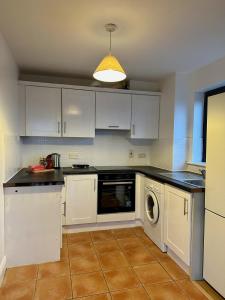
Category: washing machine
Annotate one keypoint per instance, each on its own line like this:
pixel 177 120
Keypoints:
pixel 153 212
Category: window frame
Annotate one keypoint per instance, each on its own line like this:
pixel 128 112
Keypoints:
pixel 208 94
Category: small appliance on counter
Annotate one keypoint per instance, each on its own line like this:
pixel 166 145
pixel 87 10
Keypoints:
pixel 80 166
pixel 53 161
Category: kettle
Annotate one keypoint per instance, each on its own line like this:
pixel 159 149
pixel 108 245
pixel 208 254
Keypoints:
pixel 53 161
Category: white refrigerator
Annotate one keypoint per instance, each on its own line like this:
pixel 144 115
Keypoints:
pixel 214 238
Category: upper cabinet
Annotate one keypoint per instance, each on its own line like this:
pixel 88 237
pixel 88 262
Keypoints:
pixel 43 111
pixel 145 117
pixel 113 110
pixel 54 110
pixel 78 113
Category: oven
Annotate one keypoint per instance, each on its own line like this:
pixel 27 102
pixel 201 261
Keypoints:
pixel 116 193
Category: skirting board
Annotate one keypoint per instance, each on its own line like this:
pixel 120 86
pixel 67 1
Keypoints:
pixel 178 261
pixel 2 269
pixel 101 226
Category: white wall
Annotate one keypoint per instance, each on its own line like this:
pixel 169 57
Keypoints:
pixel 204 79
pixel 9 141
pixel 162 149
pixel 107 148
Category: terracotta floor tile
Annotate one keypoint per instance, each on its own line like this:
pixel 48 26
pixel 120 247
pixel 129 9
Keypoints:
pixel 20 274
pixel 64 255
pixel 18 290
pixel 119 279
pixel 152 273
pixel 130 243
pixel 78 237
pixel 84 264
pixel 139 256
pixel 157 253
pixel 192 292
pixel 106 246
pixel 138 230
pixel 79 249
pixel 165 291
pixel 58 288
pixel 112 260
pixel 64 239
pixel 101 235
pixel 146 241
pixel 53 269
pixel 123 233
pixel 173 269
pixel 88 284
pixel 133 294
pixel 97 297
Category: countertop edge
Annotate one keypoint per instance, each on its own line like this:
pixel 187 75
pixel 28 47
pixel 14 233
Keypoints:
pixel 151 173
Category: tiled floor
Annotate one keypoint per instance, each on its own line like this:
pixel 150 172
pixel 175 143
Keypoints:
pixel 116 264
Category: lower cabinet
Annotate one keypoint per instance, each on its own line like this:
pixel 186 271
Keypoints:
pixel 81 199
pixel 177 222
pixel 139 196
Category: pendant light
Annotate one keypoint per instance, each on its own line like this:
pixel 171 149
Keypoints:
pixel 109 69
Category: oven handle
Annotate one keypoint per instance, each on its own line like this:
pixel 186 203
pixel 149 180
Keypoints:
pixel 118 183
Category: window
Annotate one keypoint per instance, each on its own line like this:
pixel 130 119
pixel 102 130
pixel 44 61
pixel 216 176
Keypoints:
pixel 204 127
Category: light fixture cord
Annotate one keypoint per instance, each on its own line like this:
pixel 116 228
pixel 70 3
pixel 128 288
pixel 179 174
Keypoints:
pixel 110 43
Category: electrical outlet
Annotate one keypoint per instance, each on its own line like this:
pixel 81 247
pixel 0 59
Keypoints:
pixel 131 154
pixel 142 155
pixel 73 155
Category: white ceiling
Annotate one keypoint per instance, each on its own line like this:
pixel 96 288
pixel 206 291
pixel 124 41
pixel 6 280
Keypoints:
pixel 155 37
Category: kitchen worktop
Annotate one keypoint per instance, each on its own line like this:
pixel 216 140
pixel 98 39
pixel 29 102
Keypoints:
pixel 24 178
pixel 79 171
pixel 155 173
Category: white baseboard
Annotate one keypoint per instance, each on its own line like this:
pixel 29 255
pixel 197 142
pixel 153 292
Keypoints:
pixel 2 269
pixel 178 261
pixel 101 226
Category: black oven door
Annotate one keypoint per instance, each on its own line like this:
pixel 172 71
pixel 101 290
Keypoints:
pixel 116 196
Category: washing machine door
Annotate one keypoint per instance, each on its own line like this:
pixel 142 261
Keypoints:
pixel 151 207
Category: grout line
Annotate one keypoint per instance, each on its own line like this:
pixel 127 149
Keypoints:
pixel 101 269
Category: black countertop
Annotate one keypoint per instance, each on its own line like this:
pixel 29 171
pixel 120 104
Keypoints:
pixel 77 171
pixel 24 178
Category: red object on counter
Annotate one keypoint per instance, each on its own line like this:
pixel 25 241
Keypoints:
pixel 37 168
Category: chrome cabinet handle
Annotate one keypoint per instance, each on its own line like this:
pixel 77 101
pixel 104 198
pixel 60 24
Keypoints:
pixel 64 213
pixel 133 129
pixel 94 185
pixel 59 127
pixel 64 127
pixel 113 126
pixel 185 206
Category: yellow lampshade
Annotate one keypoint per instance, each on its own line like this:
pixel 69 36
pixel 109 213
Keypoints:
pixel 109 70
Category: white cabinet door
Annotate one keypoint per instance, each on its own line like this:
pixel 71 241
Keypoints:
pixel 145 117
pixel 177 222
pixel 78 113
pixel 43 111
pixel 113 110
pixel 139 196
pixel 81 199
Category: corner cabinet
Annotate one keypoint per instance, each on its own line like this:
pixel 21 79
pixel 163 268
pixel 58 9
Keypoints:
pixel 81 199
pixel 177 222
pixel 113 110
pixel 43 111
pixel 145 117
pixel 78 113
